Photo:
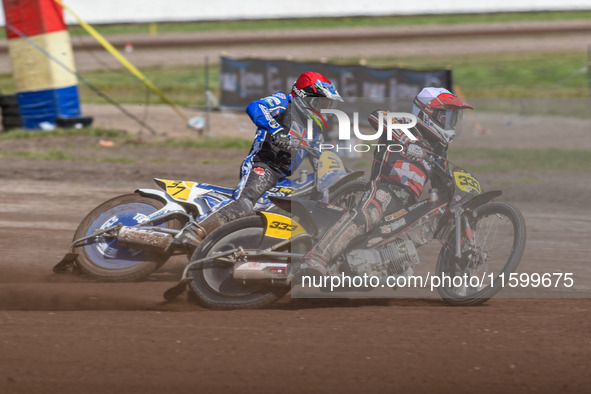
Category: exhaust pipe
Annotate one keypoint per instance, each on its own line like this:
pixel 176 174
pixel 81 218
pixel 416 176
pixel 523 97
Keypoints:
pixel 144 240
pixel 251 270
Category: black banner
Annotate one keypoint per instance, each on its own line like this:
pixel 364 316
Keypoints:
pixel 245 80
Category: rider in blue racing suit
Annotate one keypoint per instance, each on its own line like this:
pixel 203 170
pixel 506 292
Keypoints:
pixel 269 159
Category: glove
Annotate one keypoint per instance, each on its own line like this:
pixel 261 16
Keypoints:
pixel 281 140
pixel 374 119
pixel 415 152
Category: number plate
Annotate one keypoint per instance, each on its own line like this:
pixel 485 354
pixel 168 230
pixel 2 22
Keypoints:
pixel 329 161
pixel 179 190
pixel 279 226
pixel 467 183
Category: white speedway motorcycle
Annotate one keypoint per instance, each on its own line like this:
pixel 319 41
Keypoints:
pixel 130 236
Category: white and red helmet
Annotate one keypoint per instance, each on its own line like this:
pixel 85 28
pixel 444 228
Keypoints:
pixel 438 112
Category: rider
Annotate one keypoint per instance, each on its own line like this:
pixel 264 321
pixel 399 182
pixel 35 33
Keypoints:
pixel 269 159
pixel 397 178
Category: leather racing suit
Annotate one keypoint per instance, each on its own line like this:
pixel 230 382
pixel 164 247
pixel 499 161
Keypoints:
pixel 265 164
pixel 397 180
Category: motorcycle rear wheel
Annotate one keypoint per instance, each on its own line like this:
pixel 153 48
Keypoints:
pixel 499 236
pixel 213 286
pixel 102 258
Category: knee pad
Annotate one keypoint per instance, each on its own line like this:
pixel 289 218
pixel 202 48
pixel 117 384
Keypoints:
pixel 367 216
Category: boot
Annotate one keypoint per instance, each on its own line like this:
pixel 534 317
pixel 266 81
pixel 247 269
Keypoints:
pixel 192 236
pixel 313 265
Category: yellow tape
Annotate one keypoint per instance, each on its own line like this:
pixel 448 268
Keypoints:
pixel 107 45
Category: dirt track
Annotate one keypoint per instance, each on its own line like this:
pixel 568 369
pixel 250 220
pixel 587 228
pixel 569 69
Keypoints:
pixel 60 333
pixel 64 334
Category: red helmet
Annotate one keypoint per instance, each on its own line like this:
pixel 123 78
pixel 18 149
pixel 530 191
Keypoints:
pixel 313 84
pixel 438 112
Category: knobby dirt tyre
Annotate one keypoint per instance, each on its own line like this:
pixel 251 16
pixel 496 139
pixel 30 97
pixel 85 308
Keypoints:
pixel 512 245
pixel 213 286
pixel 103 258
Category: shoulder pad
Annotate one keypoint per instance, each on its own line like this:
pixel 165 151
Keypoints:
pixel 280 95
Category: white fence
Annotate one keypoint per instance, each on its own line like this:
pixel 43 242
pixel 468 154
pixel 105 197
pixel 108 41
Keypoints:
pixel 117 11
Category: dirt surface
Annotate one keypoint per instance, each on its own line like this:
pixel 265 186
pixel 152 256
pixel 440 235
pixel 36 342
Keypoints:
pixel 66 334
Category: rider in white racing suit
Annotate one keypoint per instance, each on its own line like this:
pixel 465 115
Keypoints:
pixel 270 158
pixel 397 178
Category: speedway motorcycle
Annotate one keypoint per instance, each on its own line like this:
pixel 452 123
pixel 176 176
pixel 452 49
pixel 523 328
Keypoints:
pixel 130 236
pixel 251 262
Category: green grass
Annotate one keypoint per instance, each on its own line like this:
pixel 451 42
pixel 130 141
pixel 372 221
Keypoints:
pixel 67 149
pixel 57 154
pixel 19 134
pixel 208 143
pixel 499 75
pixel 483 160
pixel 478 75
pixel 192 143
pixel 182 85
pixel 327 23
pixel 520 160
pixel 506 75
pixel 531 164
pixel 123 138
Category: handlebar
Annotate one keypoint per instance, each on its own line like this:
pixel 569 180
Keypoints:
pixel 436 160
pixel 313 151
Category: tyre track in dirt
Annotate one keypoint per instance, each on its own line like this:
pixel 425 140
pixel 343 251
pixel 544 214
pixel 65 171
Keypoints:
pixel 122 337
pixel 62 333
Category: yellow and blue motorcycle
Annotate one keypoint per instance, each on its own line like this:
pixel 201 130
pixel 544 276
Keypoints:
pixel 130 236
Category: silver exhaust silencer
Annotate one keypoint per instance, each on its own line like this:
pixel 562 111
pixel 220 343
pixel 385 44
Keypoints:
pixel 144 240
pixel 251 270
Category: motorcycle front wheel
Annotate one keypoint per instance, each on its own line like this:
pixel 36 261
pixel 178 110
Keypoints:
pixel 103 258
pixel 213 285
pixel 499 240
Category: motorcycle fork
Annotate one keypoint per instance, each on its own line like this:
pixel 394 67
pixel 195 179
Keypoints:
pixel 461 216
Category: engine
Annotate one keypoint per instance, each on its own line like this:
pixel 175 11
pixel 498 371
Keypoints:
pixel 393 259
